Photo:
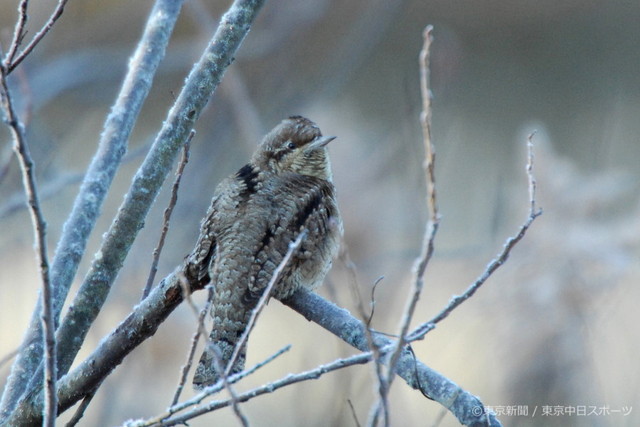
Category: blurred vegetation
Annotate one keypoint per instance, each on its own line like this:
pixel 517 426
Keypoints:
pixel 554 327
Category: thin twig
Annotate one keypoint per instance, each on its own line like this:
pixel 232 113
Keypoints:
pixel 373 299
pixel 217 358
pixel 235 403
pixel 267 388
pixel 40 230
pixel 166 218
pixel 531 178
pixel 534 212
pixel 353 413
pixel 89 200
pixel 77 416
pixel 208 391
pixel 431 229
pixel 18 32
pixel 264 298
pixel 200 332
pixel 7 357
pixel 377 365
pixel 57 12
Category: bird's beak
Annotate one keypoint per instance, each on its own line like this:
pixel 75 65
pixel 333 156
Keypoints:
pixel 319 142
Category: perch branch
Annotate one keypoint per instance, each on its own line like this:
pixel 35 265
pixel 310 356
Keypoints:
pixel 164 298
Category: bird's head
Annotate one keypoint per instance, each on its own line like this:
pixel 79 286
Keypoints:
pixel 295 145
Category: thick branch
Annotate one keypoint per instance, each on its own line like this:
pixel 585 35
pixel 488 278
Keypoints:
pixel 83 380
pixel 149 314
pixel 97 180
pixel 200 85
pixel 467 408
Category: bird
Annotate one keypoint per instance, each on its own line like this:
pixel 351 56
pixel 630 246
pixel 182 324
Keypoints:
pixel 255 214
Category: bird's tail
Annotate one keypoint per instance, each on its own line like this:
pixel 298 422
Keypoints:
pixel 228 326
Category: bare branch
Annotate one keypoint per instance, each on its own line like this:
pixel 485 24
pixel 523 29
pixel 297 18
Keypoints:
pixel 166 218
pixel 200 332
pixel 431 229
pixel 18 33
pixel 210 390
pixel 97 180
pixel 419 332
pixel 77 416
pixel 465 407
pixel 199 86
pixel 40 230
pixel 57 12
pixel 267 388
pixel 353 413
pixel 377 365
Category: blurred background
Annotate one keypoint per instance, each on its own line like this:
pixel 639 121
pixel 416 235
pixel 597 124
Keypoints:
pixel 555 326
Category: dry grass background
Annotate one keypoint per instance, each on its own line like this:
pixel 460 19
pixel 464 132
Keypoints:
pixel 556 326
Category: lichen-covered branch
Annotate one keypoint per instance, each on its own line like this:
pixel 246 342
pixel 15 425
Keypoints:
pixel 164 298
pixel 83 380
pixel 93 190
pixel 467 408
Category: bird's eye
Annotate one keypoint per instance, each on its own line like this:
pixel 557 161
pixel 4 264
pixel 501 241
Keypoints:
pixel 291 146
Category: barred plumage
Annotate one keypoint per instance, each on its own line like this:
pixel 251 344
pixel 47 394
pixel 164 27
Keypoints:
pixel 254 215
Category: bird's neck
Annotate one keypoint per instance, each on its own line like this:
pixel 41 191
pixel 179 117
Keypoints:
pixel 317 164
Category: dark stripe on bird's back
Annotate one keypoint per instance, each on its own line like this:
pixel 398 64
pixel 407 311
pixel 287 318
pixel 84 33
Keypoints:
pixel 320 194
pixel 249 176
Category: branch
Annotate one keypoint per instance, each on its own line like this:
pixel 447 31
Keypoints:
pixel 267 388
pixel 164 298
pixel 534 212
pixel 200 332
pixel 11 63
pixel 199 86
pixel 431 228
pixel 40 230
pixel 84 379
pixel 93 190
pixel 464 406
pixel 18 32
pixel 166 217
pixel 208 391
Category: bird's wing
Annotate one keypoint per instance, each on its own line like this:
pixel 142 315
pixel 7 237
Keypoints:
pixel 204 252
pixel 227 206
pixel 302 203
